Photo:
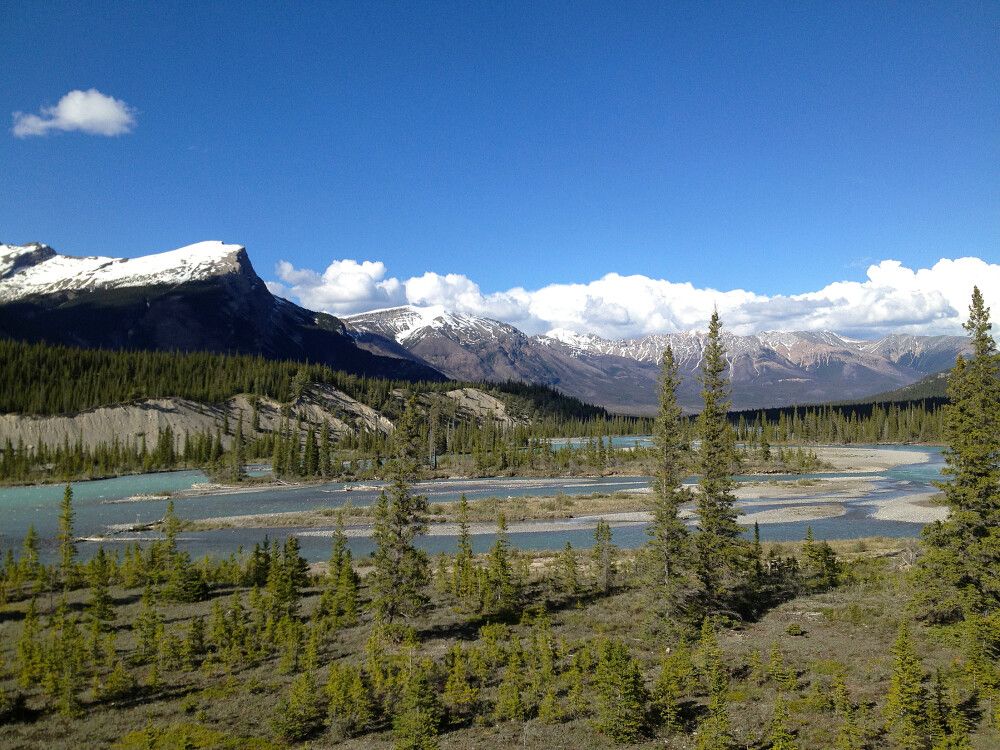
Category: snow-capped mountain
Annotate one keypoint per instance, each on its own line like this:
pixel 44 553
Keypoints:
pixel 37 269
pixel 769 369
pixel 203 297
pixel 207 296
pixel 466 346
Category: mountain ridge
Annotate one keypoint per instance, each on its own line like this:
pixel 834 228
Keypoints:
pixel 772 368
pixel 202 297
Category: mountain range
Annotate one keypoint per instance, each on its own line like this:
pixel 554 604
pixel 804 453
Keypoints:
pixel 203 297
pixel 768 369
pixel 207 296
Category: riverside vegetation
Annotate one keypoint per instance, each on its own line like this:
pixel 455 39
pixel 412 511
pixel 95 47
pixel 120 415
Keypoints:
pixel 301 445
pixel 702 638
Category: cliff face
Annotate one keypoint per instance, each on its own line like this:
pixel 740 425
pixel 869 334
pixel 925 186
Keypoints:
pixel 203 298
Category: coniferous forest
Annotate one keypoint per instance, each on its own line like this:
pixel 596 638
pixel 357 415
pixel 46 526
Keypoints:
pixel 67 381
pixel 701 638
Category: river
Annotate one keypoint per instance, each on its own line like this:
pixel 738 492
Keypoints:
pixel 100 504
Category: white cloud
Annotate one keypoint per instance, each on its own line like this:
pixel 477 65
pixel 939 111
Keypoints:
pixel 893 298
pixel 346 286
pixel 87 111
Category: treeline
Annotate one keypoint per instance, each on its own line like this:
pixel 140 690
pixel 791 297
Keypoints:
pixel 26 463
pixel 898 422
pixel 65 380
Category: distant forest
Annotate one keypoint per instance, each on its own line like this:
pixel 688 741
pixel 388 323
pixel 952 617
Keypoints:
pixel 65 380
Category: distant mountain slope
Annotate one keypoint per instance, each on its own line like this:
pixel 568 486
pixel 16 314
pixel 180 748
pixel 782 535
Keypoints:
pixel 204 297
pixel 933 386
pixel 769 369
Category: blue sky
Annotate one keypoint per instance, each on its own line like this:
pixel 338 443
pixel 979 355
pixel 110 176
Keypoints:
pixel 754 146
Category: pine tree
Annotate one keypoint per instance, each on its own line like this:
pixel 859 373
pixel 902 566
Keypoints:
pixel 460 696
pixel 499 590
pixel 66 539
pixel 780 736
pixel 669 689
pixel 718 541
pixel 100 604
pixel 603 556
pixel 957 574
pixel 415 726
pixel 510 699
pixel 714 732
pixel 621 695
pixel 298 714
pixel 402 573
pixel 463 585
pixel 669 552
pixel 569 581
pixel 549 710
pixel 351 708
pixel 906 703
pixel 29 650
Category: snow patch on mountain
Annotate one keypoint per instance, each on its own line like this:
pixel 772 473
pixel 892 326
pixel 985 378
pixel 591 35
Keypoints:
pixel 408 323
pixel 27 270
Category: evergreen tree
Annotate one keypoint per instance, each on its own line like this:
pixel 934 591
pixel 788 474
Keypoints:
pixel 603 556
pixel 718 541
pixel 415 726
pixel 99 573
pixel 351 708
pixel 460 696
pixel 499 589
pixel 714 732
pixel 781 737
pixel 569 580
pixel 401 570
pixel 621 695
pixel 669 553
pixel 957 574
pixel 906 703
pixel 66 539
pixel 298 714
pixel 463 586
pixel 669 690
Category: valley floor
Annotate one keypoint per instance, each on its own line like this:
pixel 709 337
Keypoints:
pixel 847 631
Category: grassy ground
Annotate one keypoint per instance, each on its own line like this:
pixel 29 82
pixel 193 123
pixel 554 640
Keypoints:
pixel 850 628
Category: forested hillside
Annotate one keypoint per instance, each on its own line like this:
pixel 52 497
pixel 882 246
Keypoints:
pixel 48 379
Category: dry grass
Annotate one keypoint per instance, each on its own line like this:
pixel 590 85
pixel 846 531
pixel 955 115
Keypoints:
pixel 849 629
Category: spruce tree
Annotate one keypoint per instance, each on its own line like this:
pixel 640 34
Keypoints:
pixel 718 542
pixel 670 687
pixel 100 604
pixel 463 586
pixel 621 695
pixel 510 693
pixel 669 553
pixel 714 730
pixel 906 703
pixel 66 539
pixel 499 590
pixel 298 715
pixel 603 556
pixel 402 573
pixel 780 736
pixel 957 575
pixel 459 694
pixel 569 581
pixel 415 725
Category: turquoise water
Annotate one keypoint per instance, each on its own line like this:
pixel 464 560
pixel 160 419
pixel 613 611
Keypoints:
pixel 98 505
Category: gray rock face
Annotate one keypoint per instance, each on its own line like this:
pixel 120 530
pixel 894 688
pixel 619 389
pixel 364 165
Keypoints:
pixel 770 369
pixel 206 297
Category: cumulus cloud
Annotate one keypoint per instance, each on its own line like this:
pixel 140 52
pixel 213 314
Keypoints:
pixel 86 111
pixel 892 298
pixel 345 286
